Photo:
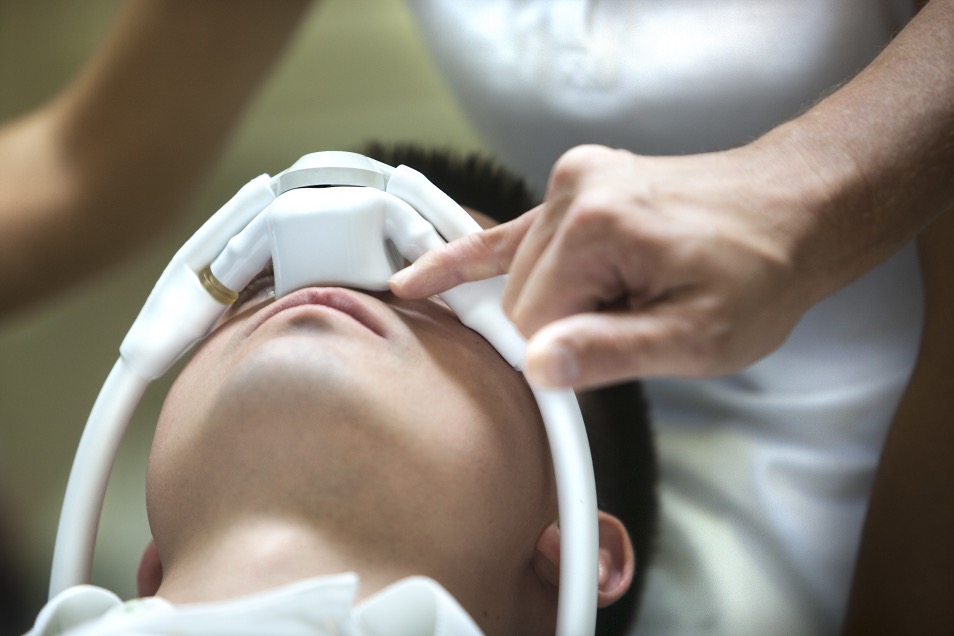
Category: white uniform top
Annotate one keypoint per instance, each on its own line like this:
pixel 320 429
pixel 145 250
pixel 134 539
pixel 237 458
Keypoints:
pixel 766 473
pixel 415 606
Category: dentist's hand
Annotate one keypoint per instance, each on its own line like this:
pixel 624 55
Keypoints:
pixel 637 266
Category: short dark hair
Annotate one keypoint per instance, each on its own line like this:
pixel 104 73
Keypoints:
pixel 617 419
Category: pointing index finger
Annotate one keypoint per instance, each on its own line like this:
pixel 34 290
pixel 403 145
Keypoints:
pixel 473 257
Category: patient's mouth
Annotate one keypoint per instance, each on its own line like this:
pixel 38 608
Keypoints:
pixel 346 301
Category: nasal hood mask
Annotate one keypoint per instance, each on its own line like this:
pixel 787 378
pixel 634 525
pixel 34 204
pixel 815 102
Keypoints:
pixel 332 218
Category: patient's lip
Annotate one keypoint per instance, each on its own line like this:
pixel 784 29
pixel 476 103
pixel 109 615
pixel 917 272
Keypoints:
pixel 346 301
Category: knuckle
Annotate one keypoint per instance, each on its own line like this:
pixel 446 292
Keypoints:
pixel 573 162
pixel 592 214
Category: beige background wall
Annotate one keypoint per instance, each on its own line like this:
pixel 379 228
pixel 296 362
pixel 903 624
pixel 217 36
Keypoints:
pixel 355 72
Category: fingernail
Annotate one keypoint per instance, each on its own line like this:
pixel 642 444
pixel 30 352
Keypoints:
pixel 552 364
pixel 399 277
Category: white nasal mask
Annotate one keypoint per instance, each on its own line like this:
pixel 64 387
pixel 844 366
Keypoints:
pixel 332 218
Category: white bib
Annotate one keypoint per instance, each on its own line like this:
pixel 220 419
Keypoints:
pixel 322 606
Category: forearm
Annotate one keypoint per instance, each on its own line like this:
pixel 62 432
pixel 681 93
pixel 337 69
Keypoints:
pixel 879 153
pixel 905 572
pixel 122 147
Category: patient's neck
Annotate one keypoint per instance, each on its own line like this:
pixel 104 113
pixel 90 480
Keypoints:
pixel 259 553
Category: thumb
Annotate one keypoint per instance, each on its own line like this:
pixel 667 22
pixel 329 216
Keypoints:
pixel 589 349
pixel 472 257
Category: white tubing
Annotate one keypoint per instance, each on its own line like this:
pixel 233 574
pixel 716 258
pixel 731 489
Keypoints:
pixel 86 488
pixel 576 495
pixel 179 310
pixel 245 255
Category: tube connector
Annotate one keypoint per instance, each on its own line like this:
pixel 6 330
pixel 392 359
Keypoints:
pixel 216 289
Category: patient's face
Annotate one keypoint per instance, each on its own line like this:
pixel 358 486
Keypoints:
pixel 384 419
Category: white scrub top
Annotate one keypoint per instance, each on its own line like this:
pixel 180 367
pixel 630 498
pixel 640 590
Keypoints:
pixel 537 77
pixel 766 473
pixel 414 606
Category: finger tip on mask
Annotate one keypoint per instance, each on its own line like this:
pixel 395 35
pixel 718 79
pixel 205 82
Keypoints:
pixel 404 283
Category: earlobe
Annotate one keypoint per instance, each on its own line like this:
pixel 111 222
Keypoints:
pixel 617 560
pixel 546 560
pixel 149 575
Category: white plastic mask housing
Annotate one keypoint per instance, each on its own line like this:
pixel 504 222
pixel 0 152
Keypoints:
pixel 332 218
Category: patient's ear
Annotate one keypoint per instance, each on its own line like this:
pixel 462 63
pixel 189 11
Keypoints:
pixel 149 575
pixel 546 560
pixel 617 561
